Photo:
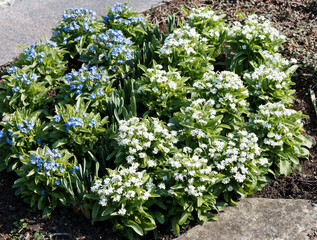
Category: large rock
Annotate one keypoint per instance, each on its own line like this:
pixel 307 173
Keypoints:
pixel 258 218
pixel 26 21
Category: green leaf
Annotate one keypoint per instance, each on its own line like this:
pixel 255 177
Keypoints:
pixel 175 226
pixel 136 227
pixel 95 210
pixel 183 218
pixel 159 216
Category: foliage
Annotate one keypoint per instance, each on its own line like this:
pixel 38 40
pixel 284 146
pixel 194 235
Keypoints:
pixel 42 178
pixel 153 128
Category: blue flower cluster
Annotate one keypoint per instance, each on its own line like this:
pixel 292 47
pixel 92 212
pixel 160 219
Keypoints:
pixel 74 122
pixel 130 20
pixel 9 139
pixel 1 135
pixel 57 118
pixel 26 78
pixel 48 165
pixel 119 8
pixel 81 19
pixel 94 123
pixel 73 13
pixel 79 80
pixel 28 126
pixel 33 52
pixel 12 70
pixel 118 45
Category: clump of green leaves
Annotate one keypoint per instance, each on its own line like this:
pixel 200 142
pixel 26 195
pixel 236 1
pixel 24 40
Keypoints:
pixel 42 179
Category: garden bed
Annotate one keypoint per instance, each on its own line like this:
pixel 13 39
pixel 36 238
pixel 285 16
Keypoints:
pixel 298 185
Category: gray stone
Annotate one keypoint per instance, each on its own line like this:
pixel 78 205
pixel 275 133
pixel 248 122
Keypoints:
pixel 257 218
pixel 27 21
pixel 5 3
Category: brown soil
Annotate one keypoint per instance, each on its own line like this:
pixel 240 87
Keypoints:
pixel 297 20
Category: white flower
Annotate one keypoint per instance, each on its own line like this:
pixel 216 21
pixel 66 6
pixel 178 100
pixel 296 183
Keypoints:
pixel 122 211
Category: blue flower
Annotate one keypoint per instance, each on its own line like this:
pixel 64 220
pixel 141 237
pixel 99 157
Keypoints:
pixel 12 70
pixel 65 42
pixel 16 89
pixel 20 125
pixel 100 91
pixel 89 87
pixel 23 130
pixel 38 140
pixel 57 118
pixel 92 96
pixel 91 48
pixel 34 99
pixel 106 18
pixel 57 182
pixel 77 39
pixel 1 133
pixel 42 192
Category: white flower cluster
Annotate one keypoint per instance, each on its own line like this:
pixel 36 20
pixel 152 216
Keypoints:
pixel 276 60
pixel 183 38
pixel 144 140
pixel 122 185
pixel 271 120
pixel 191 171
pixel 160 79
pixel 203 13
pixel 275 78
pixel 257 28
pixel 199 111
pixel 236 158
pixel 225 88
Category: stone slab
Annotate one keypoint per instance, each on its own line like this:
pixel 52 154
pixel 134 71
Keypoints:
pixel 258 218
pixel 26 21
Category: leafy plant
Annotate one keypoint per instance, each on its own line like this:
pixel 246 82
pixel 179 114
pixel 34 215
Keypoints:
pixel 42 176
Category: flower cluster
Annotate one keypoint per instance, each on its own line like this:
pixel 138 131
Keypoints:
pixel 92 84
pixel 257 29
pixel 122 185
pixel 269 84
pixel 123 18
pixel 271 119
pixel 25 126
pixel 23 88
pixel 23 132
pixel 45 59
pixel 48 169
pixel 76 30
pixel 121 194
pixel 280 129
pixel 162 91
pixel 74 125
pixel 200 120
pixel 206 20
pixel 225 88
pixel 144 141
pixel 183 41
pixel 238 159
pixel 110 48
pixel 276 60
pixel 189 170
